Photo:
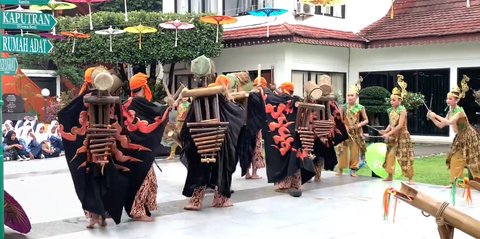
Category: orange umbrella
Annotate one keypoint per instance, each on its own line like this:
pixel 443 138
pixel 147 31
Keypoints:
pixel 75 35
pixel 140 30
pixel 218 20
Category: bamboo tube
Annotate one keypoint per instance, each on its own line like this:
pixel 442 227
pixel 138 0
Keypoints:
pixel 208 133
pixel 102 100
pixel 208 138
pixel 101 130
pixel 208 142
pixel 204 91
pixel 451 216
pixel 203 124
pixel 313 90
pixel 99 150
pixel 307 139
pixel 99 135
pixel 305 132
pixel 96 146
pixel 95 141
pixel 238 96
pixel 474 184
pixel 100 125
pixel 195 130
pixel 208 146
pixel 101 155
pixel 310 106
pixel 208 150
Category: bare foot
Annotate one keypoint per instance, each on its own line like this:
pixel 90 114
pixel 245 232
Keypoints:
pixel 339 173
pixel 143 218
pixel 225 204
pixel 93 220
pixel 192 207
pixel 248 176
pixel 255 177
pixel 410 182
pixel 353 174
pixel 103 222
pixel 388 180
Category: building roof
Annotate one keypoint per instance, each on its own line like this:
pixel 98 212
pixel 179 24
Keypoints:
pixel 291 33
pixel 425 22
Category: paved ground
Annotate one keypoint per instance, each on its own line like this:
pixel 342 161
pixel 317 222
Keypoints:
pixel 337 207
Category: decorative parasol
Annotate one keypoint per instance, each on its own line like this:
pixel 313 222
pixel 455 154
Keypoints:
pixel 20 9
pixel 218 20
pixel 110 32
pixel 89 3
pixel 268 12
pixel 15 216
pixel 140 29
pixel 53 6
pixel 375 157
pixel 51 36
pixel 323 3
pixel 177 25
pixel 75 35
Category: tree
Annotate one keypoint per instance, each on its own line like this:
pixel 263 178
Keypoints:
pixel 119 5
pixel 156 47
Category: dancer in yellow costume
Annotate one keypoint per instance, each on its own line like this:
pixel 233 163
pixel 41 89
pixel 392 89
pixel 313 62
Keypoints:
pixel 465 149
pixel 350 150
pixel 399 144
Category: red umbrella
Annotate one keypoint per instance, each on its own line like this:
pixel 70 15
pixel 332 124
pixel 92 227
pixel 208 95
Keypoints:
pixel 89 2
pixel 15 216
pixel 177 25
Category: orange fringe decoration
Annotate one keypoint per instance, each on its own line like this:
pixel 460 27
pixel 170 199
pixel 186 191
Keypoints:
pixel 467 192
pixel 386 203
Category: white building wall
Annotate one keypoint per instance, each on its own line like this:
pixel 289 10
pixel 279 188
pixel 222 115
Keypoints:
pixel 168 6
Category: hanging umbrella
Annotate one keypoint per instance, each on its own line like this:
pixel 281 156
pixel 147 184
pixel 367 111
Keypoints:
pixel 20 9
pixel 268 12
pixel 218 20
pixel 323 3
pixel 110 32
pixel 140 29
pixel 51 36
pixel 375 157
pixel 53 6
pixel 75 35
pixel 177 25
pixel 89 3
pixel 15 216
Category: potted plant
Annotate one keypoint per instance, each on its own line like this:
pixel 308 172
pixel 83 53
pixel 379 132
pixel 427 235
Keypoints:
pixel 373 98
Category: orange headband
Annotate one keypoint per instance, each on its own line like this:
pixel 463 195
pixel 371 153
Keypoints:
pixel 87 79
pixel 260 81
pixel 287 88
pixel 140 80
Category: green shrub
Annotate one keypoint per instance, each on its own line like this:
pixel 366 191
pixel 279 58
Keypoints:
pixel 373 98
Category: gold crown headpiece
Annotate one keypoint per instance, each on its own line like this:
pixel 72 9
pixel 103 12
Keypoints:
pixel 460 92
pixel 355 89
pixel 402 92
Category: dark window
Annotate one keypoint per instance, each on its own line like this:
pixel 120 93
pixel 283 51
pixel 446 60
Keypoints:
pixel 433 84
pixel 471 107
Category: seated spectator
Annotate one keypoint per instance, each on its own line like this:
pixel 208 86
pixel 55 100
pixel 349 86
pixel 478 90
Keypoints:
pixel 31 141
pixel 54 136
pixel 14 149
pixel 7 126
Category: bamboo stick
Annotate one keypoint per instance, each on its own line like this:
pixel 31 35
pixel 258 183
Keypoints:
pixel 202 124
pixel 208 150
pixel 209 146
pixel 209 142
pixel 209 138
pixel 195 130
pixel 95 141
pixel 101 155
pixel 100 125
pixel 100 135
pixel 307 139
pixel 99 150
pixel 309 106
pixel 451 216
pixel 101 130
pixel 204 91
pixel 208 133
pixel 96 146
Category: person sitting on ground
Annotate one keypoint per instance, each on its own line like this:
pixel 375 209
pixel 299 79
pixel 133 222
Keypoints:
pixel 31 143
pixel 54 136
pixel 13 149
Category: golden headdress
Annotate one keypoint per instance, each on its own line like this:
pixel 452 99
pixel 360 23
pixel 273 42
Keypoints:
pixel 402 92
pixel 460 93
pixel 355 89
